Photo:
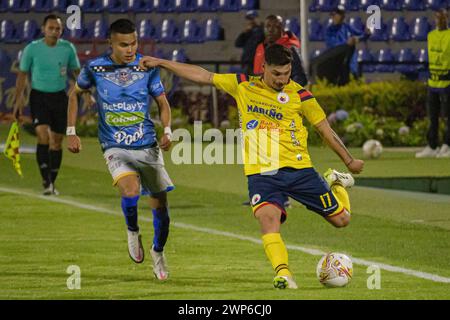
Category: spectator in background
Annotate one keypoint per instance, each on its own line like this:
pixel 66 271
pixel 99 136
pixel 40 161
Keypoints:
pixel 438 86
pixel 274 33
pixel 340 33
pixel 249 39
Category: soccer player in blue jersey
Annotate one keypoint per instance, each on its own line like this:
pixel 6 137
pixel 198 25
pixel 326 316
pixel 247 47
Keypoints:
pixel 127 135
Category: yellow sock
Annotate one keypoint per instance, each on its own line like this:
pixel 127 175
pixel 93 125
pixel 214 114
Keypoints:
pixel 277 253
pixel 341 195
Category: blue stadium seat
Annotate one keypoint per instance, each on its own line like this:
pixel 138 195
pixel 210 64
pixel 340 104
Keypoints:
pixel 414 5
pixel 164 6
pixel 5 60
pixel 366 3
pixel 185 5
pixel 364 55
pixel 422 55
pixel 191 32
pixel 27 30
pixel 212 30
pixel 420 28
pixel 313 7
pixel 19 5
pixel 41 5
pixel 391 5
pixel 140 6
pixel 399 30
pixel 379 34
pixel 89 6
pixel 350 5
pixel 228 5
pixel 436 4
pixel 406 55
pixel 292 25
pixel 97 30
pixel 179 55
pixel 316 53
pixel 146 30
pixel 207 5
pixel 8 32
pixel 315 30
pixel 326 5
pixel 4 5
pixel 75 35
pixel 356 23
pixel 114 6
pixel 385 55
pixel 248 4
pixel 59 5
pixel 168 31
pixel 159 53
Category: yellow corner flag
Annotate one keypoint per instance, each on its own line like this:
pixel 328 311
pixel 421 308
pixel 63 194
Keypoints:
pixel 12 147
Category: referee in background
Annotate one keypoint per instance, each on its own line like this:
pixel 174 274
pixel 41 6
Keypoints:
pixel 48 60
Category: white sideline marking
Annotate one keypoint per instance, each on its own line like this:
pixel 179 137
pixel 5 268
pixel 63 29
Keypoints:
pixel 387 267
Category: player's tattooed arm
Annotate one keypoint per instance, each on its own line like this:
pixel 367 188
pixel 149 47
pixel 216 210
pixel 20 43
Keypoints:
pixel 334 142
pixel 187 71
pixel 73 141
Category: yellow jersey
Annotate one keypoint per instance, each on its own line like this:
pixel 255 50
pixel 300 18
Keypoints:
pixel 273 134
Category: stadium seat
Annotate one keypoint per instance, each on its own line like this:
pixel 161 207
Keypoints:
pixel 366 3
pixel 97 30
pixel 168 31
pixel 379 34
pixel 27 30
pixel 178 55
pixel 8 32
pixel 182 6
pixel 212 30
pixel 41 5
pixel 385 55
pixel 420 28
pixel 248 4
pixel 146 30
pixel 313 6
pixel 164 6
pixel 292 25
pixel 391 5
pixel 207 5
pixel 326 5
pixel 19 5
pixel 436 4
pixel 159 53
pixel 59 5
pixel 140 6
pixel 357 24
pixel 316 53
pixel 422 55
pixel 414 5
pixel 399 30
pixel 315 30
pixel 192 32
pixel 4 6
pixel 89 6
pixel 114 6
pixel 75 35
pixel 228 5
pixel 407 56
pixel 350 5
pixel 5 62
pixel 364 55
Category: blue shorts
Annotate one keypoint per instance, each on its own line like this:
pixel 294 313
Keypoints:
pixel 304 185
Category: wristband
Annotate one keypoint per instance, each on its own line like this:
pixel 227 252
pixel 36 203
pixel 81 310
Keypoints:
pixel 349 162
pixel 168 132
pixel 70 131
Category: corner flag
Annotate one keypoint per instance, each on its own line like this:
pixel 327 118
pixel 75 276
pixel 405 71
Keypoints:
pixel 12 147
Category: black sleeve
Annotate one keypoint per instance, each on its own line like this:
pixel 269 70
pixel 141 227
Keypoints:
pixel 242 39
pixel 298 72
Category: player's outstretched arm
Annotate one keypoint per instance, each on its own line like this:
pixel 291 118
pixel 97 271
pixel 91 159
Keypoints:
pixel 187 71
pixel 165 116
pixel 73 141
pixel 335 143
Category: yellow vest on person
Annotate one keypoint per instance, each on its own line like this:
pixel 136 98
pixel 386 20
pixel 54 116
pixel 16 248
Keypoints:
pixel 439 58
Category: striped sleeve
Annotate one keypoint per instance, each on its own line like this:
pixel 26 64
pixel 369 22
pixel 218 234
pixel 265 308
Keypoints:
pixel 310 108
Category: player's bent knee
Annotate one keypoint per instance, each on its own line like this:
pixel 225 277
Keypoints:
pixel 340 221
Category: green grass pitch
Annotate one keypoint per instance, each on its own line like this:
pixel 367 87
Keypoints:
pixel 212 249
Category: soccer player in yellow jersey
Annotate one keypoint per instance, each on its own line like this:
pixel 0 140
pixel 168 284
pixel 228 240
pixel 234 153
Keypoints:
pixel 273 107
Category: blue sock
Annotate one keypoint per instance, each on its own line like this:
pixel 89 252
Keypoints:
pixel 129 208
pixel 161 223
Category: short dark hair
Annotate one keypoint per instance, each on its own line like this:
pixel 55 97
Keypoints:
pixel 51 17
pixel 278 55
pixel 124 26
pixel 275 18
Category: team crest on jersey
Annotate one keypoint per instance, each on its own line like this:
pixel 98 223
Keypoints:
pixel 283 97
pixel 256 198
pixel 124 77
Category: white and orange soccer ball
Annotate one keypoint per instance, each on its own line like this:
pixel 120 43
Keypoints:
pixel 335 270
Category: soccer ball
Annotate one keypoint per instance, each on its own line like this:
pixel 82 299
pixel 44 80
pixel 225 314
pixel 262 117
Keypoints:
pixel 372 149
pixel 334 270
